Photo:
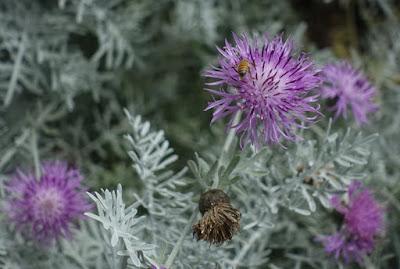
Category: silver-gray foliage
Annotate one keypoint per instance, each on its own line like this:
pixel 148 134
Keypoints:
pixel 122 226
pixel 68 68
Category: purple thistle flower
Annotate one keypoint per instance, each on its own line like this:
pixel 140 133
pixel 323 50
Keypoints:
pixel 350 248
pixel 45 209
pixel 268 84
pixel 350 88
pixel 362 223
pixel 363 216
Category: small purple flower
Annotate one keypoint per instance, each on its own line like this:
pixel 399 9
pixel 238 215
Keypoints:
pixel 262 78
pixel 362 223
pixel 45 209
pixel 349 248
pixel 363 215
pixel 350 88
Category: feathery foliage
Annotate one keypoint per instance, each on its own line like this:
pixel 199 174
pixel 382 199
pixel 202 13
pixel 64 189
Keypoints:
pixel 115 88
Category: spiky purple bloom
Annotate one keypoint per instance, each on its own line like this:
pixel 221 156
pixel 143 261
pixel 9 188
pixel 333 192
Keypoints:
pixel 273 95
pixel 45 209
pixel 362 223
pixel 351 89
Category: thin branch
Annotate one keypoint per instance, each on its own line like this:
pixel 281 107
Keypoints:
pixel 35 154
pixel 16 71
pixel 178 245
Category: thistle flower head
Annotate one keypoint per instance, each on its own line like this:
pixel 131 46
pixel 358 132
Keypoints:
pixel 362 223
pixel 351 89
pixel 220 220
pixel 363 215
pixel 45 209
pixel 263 79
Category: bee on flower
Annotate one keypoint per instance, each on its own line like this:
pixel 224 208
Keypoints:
pixel 243 68
pixel 267 83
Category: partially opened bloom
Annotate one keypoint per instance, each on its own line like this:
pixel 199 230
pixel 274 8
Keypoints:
pixel 262 78
pixel 350 89
pixel 362 223
pixel 45 209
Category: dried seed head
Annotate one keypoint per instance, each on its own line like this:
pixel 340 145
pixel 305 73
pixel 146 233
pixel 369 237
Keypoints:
pixel 220 220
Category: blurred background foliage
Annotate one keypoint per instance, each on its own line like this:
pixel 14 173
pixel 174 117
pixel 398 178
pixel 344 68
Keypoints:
pixel 79 62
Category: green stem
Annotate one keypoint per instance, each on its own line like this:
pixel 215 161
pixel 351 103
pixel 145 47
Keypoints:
pixel 246 248
pixel 231 134
pixel 178 245
pixel 318 130
pixel 114 258
pixel 227 146
pixel 35 154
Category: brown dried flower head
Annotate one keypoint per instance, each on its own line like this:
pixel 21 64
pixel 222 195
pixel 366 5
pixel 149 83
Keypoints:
pixel 220 220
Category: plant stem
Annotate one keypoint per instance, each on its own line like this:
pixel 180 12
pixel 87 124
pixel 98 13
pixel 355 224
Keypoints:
pixel 114 258
pixel 35 154
pixel 178 245
pixel 246 248
pixel 231 134
pixel 10 153
pixel 318 130
pixel 16 71
pixel 227 145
